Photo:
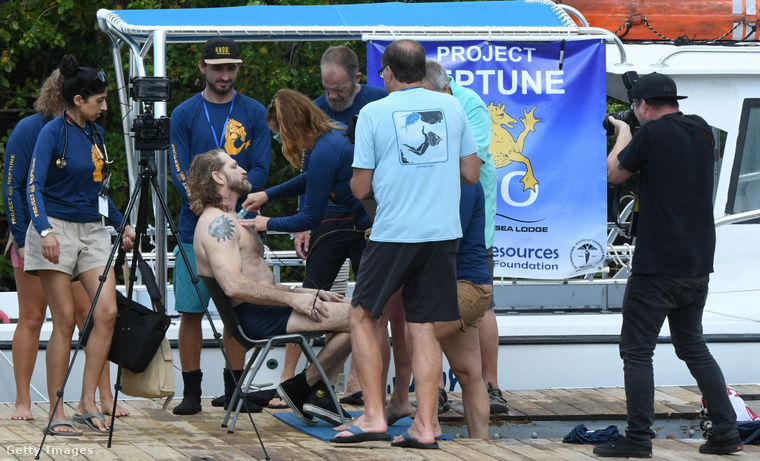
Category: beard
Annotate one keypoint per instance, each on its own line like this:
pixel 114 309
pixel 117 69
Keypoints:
pixel 241 187
pixel 218 90
pixel 339 105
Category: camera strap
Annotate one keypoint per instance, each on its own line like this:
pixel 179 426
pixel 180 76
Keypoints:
pixel 690 121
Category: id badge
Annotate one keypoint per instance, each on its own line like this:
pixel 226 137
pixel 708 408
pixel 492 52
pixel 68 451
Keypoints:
pixel 103 205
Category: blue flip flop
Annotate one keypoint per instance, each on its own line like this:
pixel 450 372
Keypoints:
pixel 361 436
pixel 410 442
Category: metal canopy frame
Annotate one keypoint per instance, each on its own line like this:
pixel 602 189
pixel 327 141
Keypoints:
pixel 144 30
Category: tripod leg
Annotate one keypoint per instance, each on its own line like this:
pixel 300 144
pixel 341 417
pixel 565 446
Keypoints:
pixel 196 281
pixel 141 226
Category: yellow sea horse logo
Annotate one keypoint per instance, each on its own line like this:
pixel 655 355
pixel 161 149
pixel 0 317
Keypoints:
pixel 234 139
pixel 504 148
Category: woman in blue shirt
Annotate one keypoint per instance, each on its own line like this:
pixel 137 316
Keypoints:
pixel 31 300
pixel 317 145
pixel 67 193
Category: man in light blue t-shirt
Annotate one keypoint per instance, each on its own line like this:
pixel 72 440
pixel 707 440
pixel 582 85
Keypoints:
pixel 412 150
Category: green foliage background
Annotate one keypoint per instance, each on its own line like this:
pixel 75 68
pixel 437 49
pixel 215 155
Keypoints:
pixel 35 34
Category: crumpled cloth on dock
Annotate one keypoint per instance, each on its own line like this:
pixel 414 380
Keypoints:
pixel 749 431
pixel 580 434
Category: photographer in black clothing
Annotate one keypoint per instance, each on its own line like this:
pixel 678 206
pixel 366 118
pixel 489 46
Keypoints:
pixel 673 154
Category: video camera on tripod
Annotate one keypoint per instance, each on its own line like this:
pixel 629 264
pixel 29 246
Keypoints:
pixel 151 133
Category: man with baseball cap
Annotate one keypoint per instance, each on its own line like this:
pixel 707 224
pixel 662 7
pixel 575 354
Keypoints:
pixel 216 118
pixel 673 259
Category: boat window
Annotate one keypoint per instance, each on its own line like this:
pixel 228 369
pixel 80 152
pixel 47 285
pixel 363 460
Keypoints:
pixel 744 190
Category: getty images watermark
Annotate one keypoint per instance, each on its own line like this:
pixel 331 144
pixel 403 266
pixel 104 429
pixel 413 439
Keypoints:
pixel 32 450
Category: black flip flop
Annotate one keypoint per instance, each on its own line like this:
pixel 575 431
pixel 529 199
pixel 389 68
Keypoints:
pixel 361 436
pixel 407 441
pixel 353 399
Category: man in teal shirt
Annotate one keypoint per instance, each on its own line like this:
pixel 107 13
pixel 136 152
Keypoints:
pixel 437 79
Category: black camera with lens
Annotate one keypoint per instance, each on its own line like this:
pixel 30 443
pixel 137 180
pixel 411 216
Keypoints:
pixel 625 115
pixel 629 79
pixel 151 133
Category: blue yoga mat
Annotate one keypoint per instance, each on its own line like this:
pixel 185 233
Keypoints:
pixel 324 431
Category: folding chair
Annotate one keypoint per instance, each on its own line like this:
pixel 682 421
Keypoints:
pixel 261 347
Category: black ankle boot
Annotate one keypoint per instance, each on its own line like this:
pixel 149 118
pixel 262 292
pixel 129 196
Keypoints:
pixel 191 395
pixel 230 382
pixel 223 400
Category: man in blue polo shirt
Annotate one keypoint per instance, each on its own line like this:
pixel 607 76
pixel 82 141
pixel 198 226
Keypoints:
pixel 217 117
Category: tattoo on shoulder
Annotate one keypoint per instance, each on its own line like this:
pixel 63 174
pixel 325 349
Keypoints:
pixel 221 228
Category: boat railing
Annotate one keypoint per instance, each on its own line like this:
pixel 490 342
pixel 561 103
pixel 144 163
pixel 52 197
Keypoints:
pixel 276 259
pixel 575 13
pixel 737 218
pixel 662 62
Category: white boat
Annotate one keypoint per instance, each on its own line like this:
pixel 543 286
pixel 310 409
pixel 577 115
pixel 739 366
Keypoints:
pixel 553 333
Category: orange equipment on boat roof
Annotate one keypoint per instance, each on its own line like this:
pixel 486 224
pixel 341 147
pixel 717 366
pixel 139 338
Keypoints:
pixel 684 20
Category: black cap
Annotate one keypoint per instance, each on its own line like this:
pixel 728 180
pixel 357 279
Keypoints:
pixel 220 50
pixel 655 85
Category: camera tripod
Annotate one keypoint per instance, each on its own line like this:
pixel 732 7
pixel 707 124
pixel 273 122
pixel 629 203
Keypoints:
pixel 145 180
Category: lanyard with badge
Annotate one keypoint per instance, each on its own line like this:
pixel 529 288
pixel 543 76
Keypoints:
pixel 94 137
pixel 218 139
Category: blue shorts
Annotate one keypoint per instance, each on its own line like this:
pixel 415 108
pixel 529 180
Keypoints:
pixel 185 296
pixel 260 321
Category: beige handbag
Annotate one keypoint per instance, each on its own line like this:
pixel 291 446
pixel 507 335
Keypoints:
pixel 157 381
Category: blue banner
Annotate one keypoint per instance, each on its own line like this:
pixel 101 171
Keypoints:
pixel 547 102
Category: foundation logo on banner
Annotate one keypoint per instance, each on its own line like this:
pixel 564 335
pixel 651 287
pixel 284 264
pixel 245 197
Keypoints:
pixel 587 254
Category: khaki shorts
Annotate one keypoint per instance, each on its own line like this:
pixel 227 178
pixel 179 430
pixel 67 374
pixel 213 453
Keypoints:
pixel 83 247
pixel 473 301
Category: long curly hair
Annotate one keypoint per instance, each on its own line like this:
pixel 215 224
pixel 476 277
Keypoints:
pixel 301 123
pixel 202 191
pixel 50 101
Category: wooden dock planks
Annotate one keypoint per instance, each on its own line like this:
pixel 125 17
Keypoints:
pixel 152 434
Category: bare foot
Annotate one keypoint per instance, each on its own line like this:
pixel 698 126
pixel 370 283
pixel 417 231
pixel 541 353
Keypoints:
pixel 393 414
pixel 106 408
pixel 22 413
pixel 59 417
pixel 343 427
pixel 413 434
pixel 362 423
pixel 64 428
pixel 437 431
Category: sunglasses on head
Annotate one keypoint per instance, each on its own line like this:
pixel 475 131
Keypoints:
pixel 101 75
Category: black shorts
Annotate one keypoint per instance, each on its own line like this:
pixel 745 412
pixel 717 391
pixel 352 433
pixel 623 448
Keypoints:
pixel 260 321
pixel 336 239
pixel 427 271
